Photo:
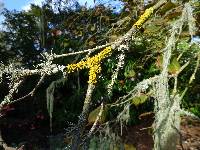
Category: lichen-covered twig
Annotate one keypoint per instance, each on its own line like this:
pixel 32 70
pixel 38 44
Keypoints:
pixel 96 121
pixel 167 106
pixel 16 74
pixel 120 65
pixel 141 87
pixel 3 103
pixel 84 51
pixel 175 76
pixel 82 119
pixel 192 76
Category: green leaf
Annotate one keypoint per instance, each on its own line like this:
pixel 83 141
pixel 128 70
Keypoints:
pixel 174 66
pixel 66 42
pixel 129 73
pixel 168 6
pixel 129 70
pixel 91 43
pixel 93 28
pixel 139 100
pixel 93 115
pixel 129 147
pixel 183 45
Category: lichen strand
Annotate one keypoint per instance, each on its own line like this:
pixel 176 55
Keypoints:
pixel 93 63
pixel 143 18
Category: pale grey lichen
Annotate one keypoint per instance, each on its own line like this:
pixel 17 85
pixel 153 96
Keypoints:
pixel 50 96
pixel 1 71
pixel 191 20
pixel 15 73
pixel 167 107
pixel 120 65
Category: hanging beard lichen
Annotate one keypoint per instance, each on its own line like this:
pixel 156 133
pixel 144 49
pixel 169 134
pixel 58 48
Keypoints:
pixel 167 105
pixel 50 96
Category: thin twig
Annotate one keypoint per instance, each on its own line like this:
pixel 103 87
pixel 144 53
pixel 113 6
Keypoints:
pixel 29 94
pixel 176 77
pixel 192 76
pixel 96 121
pixel 84 51
pixel 38 84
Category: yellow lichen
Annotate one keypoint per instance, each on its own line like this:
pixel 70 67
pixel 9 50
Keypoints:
pixel 78 66
pixel 94 71
pixel 143 18
pixel 93 63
